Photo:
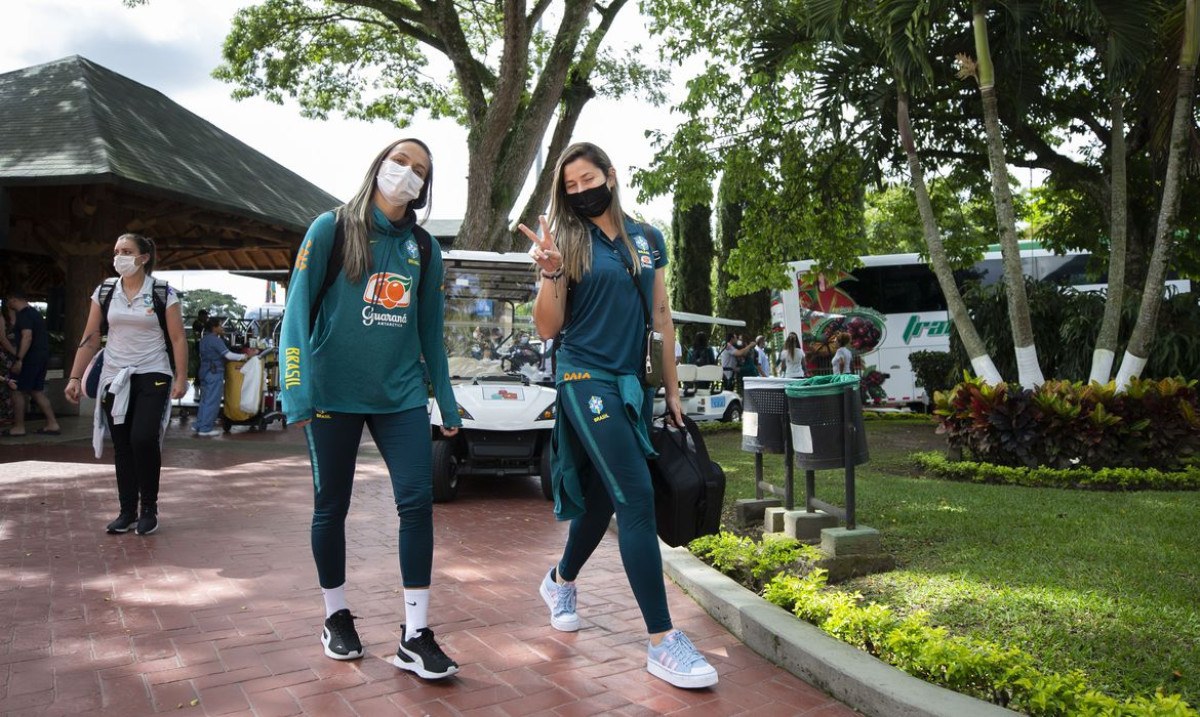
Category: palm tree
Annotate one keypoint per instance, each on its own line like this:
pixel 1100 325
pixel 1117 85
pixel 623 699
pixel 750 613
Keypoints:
pixel 1137 351
pixel 1122 34
pixel 896 31
pixel 1029 373
pixel 981 361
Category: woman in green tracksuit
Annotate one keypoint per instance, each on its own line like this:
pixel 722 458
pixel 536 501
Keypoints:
pixel 587 254
pixel 352 348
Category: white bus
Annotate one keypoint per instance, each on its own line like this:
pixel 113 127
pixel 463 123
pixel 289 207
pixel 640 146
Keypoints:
pixel 893 306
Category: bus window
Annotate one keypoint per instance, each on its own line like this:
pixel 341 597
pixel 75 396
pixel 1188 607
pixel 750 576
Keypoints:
pixel 1067 270
pixel 896 289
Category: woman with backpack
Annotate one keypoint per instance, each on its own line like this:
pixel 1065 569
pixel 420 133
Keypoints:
pixel 700 353
pixel 364 306
pixel 145 367
pixel 601 277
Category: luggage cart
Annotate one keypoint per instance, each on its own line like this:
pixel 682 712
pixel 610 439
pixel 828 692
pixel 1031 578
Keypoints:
pixel 231 409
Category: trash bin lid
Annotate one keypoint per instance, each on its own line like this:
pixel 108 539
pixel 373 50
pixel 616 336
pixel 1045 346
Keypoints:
pixel 831 385
pixel 767 382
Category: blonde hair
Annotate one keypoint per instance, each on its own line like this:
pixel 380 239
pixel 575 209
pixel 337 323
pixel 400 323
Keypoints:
pixel 357 215
pixel 571 233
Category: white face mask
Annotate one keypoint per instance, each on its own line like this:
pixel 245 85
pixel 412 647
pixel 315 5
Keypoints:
pixel 125 265
pixel 398 184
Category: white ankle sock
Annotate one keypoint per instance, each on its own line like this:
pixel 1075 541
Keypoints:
pixel 416 611
pixel 335 599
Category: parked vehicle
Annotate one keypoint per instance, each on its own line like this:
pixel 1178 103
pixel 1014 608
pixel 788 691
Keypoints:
pixel 701 395
pixel 892 306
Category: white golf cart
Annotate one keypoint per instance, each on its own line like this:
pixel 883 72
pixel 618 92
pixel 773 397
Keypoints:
pixel 502 384
pixel 701 391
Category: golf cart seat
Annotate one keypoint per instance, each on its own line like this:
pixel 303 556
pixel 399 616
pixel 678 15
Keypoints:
pixel 687 378
pixel 709 376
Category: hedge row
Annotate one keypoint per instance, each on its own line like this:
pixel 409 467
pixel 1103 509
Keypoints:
pixel 939 466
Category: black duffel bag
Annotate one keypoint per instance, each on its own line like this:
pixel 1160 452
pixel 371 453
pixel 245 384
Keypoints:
pixel 689 488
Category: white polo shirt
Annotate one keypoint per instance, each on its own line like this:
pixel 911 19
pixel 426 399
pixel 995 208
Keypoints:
pixel 135 338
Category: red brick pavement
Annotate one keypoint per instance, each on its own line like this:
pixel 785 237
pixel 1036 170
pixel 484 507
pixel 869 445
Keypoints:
pixel 219 612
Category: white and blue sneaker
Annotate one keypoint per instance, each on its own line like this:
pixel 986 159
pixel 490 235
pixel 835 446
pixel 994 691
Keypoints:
pixel 561 601
pixel 677 661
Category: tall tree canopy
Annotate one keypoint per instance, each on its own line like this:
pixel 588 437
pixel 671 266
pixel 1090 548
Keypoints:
pixel 488 65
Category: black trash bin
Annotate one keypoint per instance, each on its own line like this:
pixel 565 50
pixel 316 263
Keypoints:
pixel 816 411
pixel 764 414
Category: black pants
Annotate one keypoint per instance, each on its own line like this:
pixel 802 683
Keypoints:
pixel 136 441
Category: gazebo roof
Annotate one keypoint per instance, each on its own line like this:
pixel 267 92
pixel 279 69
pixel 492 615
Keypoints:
pixel 72 122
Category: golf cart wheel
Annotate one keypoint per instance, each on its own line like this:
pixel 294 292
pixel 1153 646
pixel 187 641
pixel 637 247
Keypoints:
pixel 445 472
pixel 546 476
pixel 733 413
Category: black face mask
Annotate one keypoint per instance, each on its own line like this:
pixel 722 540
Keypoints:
pixel 591 203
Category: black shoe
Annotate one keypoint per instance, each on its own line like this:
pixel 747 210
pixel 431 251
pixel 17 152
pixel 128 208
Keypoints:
pixel 422 655
pixel 122 524
pixel 147 524
pixel 340 638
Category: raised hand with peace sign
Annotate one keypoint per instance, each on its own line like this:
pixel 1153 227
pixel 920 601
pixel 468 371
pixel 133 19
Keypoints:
pixel 544 251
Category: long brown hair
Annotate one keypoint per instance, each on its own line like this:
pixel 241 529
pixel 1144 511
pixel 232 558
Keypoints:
pixel 790 345
pixel 357 215
pixel 570 231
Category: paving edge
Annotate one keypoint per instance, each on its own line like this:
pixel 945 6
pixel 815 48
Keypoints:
pixel 861 681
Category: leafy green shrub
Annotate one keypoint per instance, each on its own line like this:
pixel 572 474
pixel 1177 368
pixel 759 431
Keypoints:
pixel 1063 424
pixel 1004 676
pixel 750 563
pixel 934 370
pixel 1188 478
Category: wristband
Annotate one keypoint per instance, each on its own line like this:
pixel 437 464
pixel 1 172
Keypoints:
pixel 554 276
pixel 74 378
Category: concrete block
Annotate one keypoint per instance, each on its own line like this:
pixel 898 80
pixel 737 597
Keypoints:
pixel 747 511
pixel 802 525
pixel 773 520
pixel 843 541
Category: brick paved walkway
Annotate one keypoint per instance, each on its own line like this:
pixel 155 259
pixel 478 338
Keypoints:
pixel 219 613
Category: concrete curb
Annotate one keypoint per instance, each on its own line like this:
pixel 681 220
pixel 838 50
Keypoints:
pixel 864 683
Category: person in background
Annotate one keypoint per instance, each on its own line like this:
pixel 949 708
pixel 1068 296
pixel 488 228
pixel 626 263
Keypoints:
pixel 700 353
pixel 791 359
pixel 369 373
pixel 8 356
pixel 842 358
pixel 615 268
pixel 32 359
pixel 731 359
pixel 199 325
pixel 214 352
pixel 138 380
pixel 762 359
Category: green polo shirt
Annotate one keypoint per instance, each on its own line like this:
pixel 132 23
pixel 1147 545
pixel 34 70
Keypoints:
pixel 605 328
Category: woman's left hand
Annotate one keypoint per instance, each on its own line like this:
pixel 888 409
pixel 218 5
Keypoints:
pixel 180 388
pixel 674 410
pixel 449 432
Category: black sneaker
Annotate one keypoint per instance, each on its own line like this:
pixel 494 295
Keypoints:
pixel 122 524
pixel 147 524
pixel 340 638
pixel 422 655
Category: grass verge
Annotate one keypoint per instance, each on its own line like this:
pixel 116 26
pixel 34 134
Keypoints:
pixel 1101 582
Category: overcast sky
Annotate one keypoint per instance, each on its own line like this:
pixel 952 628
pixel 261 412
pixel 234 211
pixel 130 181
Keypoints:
pixel 173 46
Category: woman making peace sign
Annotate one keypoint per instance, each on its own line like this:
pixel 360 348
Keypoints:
pixel 587 254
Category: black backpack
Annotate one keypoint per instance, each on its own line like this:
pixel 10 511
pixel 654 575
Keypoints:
pixel 689 488
pixel 334 266
pixel 159 292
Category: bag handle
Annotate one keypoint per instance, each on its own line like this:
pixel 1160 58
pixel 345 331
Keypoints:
pixel 689 428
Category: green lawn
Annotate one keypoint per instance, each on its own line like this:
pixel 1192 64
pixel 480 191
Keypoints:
pixel 1108 583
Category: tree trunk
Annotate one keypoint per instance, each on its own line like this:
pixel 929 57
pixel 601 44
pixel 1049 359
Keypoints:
pixel 1029 373
pixel 1138 349
pixel 1110 325
pixel 576 96
pixel 981 362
